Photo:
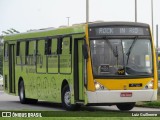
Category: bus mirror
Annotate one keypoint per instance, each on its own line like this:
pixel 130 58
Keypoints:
pixel 85 51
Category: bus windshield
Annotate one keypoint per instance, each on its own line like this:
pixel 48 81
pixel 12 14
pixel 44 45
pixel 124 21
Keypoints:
pixel 117 57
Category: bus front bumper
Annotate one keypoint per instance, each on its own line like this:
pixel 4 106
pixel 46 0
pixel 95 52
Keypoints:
pixel 115 96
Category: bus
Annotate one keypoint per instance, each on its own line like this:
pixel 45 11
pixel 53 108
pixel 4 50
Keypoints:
pixel 104 63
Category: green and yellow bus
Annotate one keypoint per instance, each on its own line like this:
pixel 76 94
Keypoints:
pixel 105 63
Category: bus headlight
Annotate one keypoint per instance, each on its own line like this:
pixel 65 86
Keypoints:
pixel 149 85
pixel 98 86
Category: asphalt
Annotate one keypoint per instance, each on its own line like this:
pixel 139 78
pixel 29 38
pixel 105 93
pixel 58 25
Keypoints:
pixel 10 102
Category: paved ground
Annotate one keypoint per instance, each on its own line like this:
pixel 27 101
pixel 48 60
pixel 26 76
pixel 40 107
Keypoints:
pixel 9 102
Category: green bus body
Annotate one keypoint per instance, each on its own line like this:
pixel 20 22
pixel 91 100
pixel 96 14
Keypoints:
pixel 45 72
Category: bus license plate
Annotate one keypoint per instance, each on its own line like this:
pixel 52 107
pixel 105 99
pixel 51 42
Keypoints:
pixel 126 94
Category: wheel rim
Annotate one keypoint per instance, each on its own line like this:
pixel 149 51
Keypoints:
pixel 67 98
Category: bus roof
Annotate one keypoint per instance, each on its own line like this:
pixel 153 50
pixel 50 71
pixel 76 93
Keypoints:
pixel 78 28
pixel 47 32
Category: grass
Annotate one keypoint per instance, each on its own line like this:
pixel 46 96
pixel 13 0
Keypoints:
pixel 76 115
pixel 86 118
pixel 85 115
pixel 68 114
pixel 154 104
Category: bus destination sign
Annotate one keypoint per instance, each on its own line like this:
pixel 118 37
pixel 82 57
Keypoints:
pixel 110 31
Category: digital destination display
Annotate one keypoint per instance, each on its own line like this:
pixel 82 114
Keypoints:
pixel 110 31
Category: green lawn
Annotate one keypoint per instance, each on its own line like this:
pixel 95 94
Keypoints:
pixel 88 115
pixel 84 118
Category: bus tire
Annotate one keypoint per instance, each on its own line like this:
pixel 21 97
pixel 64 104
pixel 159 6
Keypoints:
pixel 66 99
pixel 22 97
pixel 31 101
pixel 125 106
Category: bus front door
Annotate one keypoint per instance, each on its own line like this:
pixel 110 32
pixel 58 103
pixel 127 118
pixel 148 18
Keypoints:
pixel 78 70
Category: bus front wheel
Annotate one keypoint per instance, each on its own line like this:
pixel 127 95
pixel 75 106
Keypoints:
pixel 66 99
pixel 125 106
pixel 22 97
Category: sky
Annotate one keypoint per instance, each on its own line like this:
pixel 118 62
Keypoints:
pixel 24 15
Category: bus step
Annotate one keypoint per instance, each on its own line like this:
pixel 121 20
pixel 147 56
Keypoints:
pixel 80 102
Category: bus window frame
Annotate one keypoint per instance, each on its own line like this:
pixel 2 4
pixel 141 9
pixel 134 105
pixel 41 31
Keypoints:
pixel 19 46
pixel 53 54
pixel 60 52
pixel 27 53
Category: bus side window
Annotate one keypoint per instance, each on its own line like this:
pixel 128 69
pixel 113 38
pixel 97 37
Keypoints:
pixel 18 49
pixel 27 48
pixel 53 59
pixel 65 58
pixel 31 52
pixel 27 52
pixel 48 44
pixel 54 46
pixel 31 48
pixel 20 53
pixel 41 47
pixel 66 45
pixel 59 46
pixel 6 52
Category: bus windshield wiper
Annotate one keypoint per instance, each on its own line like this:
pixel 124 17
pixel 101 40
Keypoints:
pixel 130 49
pixel 115 51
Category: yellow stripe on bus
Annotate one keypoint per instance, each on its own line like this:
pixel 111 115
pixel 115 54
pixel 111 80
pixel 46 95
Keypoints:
pixel 90 80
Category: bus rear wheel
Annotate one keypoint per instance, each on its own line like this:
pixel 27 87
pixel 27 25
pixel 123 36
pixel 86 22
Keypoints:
pixel 66 99
pixel 125 106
